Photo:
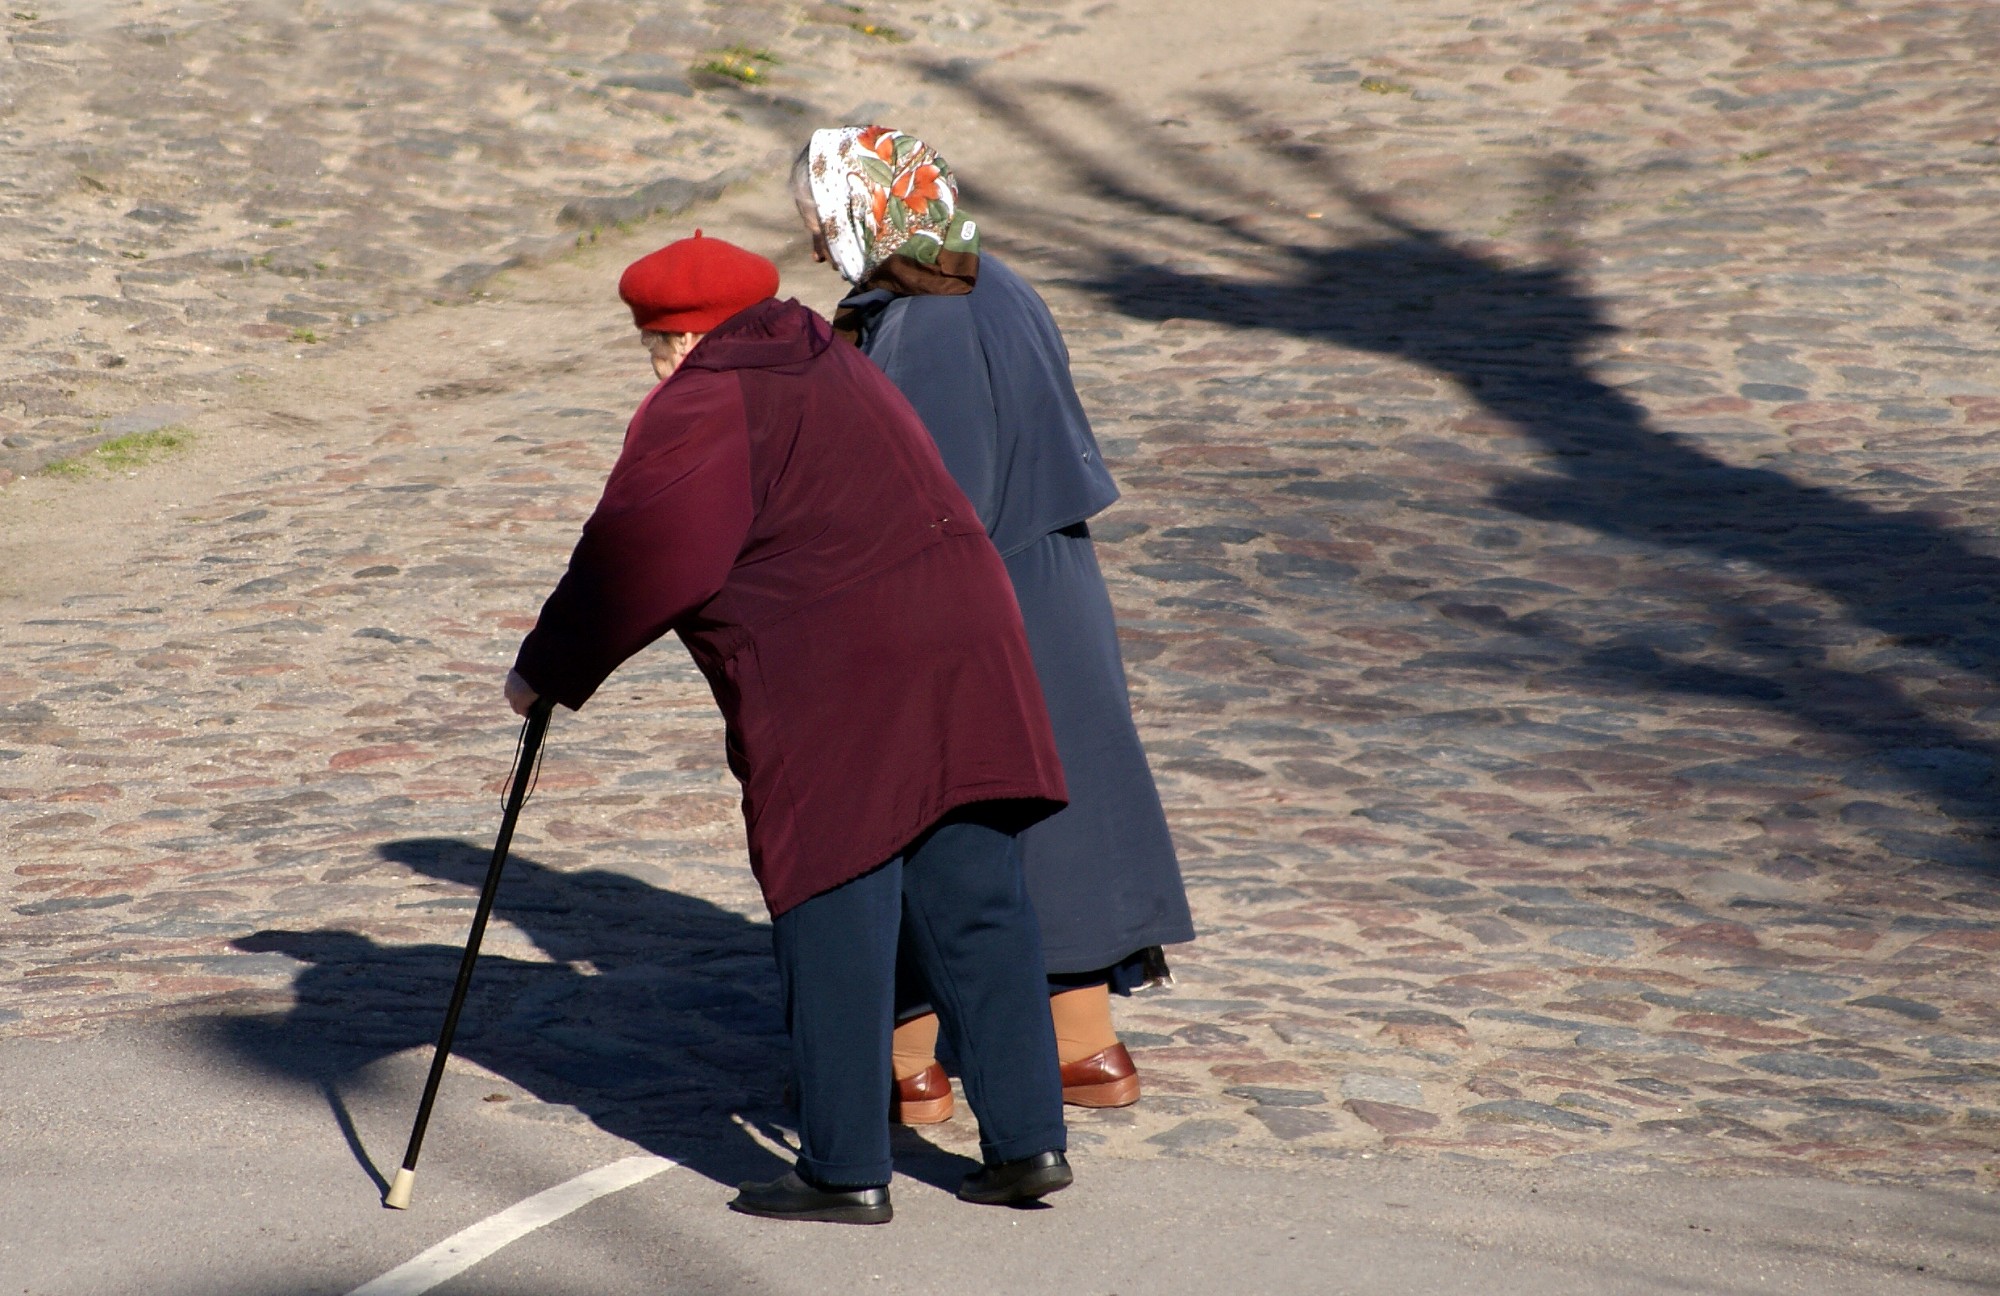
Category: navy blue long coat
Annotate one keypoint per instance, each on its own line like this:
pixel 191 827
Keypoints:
pixel 989 374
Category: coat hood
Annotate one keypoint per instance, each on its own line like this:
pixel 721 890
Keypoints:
pixel 772 334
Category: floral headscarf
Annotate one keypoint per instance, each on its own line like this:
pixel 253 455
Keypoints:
pixel 888 207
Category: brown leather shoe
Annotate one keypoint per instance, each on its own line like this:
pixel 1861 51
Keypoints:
pixel 923 1099
pixel 1106 1079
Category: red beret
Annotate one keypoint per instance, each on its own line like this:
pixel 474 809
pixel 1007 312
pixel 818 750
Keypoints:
pixel 695 284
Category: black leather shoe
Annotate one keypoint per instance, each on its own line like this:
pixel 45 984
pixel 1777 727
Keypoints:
pixel 1013 1182
pixel 791 1197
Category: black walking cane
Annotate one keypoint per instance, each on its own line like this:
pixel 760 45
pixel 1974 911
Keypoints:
pixel 532 732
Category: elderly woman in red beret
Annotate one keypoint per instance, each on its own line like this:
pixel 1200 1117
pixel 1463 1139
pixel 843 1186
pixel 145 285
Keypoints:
pixel 780 508
pixel 977 353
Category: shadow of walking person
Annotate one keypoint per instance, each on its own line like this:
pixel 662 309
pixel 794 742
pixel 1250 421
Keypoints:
pixel 656 1016
pixel 1519 340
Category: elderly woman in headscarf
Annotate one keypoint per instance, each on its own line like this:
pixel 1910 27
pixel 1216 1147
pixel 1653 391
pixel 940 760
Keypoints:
pixel 978 354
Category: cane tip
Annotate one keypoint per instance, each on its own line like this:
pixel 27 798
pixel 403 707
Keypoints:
pixel 398 1196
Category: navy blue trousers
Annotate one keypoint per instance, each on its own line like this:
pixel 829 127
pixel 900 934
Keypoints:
pixel 957 898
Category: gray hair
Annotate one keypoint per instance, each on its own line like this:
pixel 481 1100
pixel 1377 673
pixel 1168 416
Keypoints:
pixel 802 187
pixel 654 339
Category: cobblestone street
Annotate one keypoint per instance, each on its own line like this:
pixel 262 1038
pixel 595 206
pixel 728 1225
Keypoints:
pixel 1559 570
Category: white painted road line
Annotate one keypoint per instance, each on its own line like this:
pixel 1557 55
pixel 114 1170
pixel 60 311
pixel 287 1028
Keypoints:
pixel 468 1247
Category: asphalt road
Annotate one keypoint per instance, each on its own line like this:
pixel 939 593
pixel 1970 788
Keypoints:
pixel 146 1160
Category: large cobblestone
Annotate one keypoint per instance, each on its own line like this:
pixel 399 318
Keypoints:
pixel 1556 569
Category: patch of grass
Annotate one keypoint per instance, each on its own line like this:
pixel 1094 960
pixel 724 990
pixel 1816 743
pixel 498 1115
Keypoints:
pixel 304 335
pixel 141 448
pixel 880 32
pixel 122 454
pixel 739 63
pixel 830 13
pixel 1383 85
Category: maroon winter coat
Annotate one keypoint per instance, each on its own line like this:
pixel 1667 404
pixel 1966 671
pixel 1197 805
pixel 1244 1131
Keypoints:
pixel 781 508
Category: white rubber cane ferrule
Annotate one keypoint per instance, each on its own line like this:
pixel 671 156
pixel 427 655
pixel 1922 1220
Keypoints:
pixel 398 1197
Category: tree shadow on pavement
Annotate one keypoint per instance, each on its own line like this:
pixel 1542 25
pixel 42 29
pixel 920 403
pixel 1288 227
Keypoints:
pixel 1518 340
pixel 656 1017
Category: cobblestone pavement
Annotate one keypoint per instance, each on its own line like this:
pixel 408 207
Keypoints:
pixel 1557 569
pixel 196 189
